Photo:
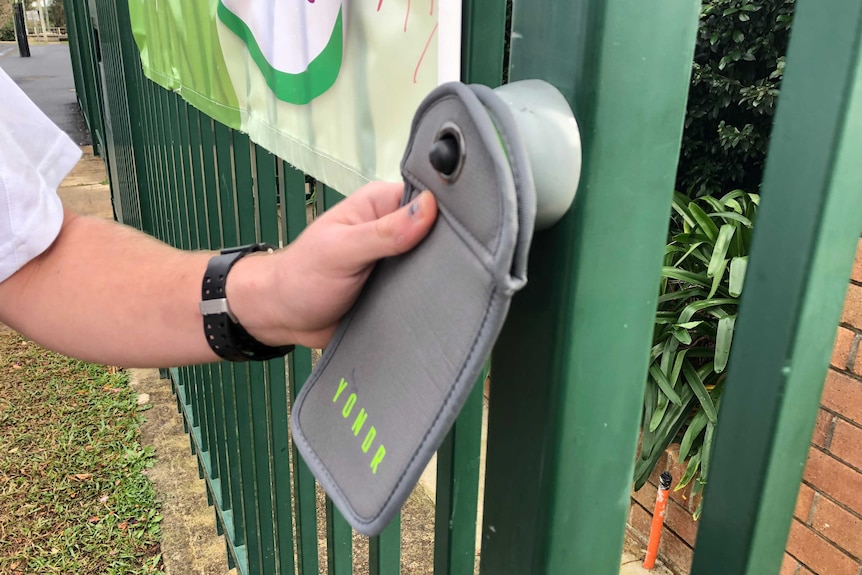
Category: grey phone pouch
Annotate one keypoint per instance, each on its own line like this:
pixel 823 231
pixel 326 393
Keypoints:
pixel 403 361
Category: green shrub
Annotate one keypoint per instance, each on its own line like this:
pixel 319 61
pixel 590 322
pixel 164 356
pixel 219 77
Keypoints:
pixel 702 280
pixel 736 76
pixel 7 32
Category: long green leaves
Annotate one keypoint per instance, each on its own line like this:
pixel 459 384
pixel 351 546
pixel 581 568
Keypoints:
pixel 702 279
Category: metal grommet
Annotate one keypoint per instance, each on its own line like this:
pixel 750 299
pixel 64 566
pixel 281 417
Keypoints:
pixel 448 152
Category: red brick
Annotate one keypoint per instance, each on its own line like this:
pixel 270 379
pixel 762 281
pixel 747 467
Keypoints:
pixel 640 520
pixel 645 495
pixel 789 565
pixel 823 428
pixel 847 444
pixel 803 503
pixel 856 275
pixel 682 523
pixel 843 395
pixel 834 478
pixel 804 571
pixel 818 554
pixel 843 344
pixel 838 525
pixel 675 551
pixel 853 307
pixel 857 366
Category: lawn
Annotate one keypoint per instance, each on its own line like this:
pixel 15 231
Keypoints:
pixel 74 494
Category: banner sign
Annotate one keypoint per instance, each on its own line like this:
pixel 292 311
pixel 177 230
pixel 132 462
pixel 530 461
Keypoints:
pixel 328 85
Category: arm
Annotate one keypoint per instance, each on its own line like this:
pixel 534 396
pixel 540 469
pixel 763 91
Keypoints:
pixel 104 292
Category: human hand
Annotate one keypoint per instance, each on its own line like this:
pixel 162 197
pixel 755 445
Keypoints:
pixel 299 294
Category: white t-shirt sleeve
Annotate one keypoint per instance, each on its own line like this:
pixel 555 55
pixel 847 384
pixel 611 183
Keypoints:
pixel 35 156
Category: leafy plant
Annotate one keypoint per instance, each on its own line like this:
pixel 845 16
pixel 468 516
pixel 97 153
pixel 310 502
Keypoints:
pixel 7 32
pixel 702 279
pixel 736 76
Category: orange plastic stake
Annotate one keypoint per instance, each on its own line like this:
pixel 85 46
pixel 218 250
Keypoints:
pixel 657 520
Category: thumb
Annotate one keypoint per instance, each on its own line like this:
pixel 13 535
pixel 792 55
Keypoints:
pixel 396 232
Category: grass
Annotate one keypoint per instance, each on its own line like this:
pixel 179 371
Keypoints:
pixel 74 494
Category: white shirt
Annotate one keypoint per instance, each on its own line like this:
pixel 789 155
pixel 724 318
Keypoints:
pixel 35 156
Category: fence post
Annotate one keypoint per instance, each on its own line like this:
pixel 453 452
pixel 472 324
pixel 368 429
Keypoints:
pixel 806 233
pixel 569 370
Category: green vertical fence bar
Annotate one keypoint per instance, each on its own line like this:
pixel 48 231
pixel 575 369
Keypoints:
pixel 293 213
pixel 250 373
pixel 483 41
pixel 162 165
pixel 249 378
pixel 339 535
pixel 179 168
pixel 276 404
pixel 339 542
pixel 213 375
pixel 210 180
pixel 196 160
pixel 804 241
pixel 195 374
pixel 176 168
pixel 219 372
pixel 384 551
pixel 569 368
pixel 95 96
pixel 119 104
pixel 230 231
pixel 87 96
pixel 269 405
pixel 71 12
pixel 458 458
pixel 458 489
pixel 329 196
pixel 185 174
pixel 134 79
pixel 149 120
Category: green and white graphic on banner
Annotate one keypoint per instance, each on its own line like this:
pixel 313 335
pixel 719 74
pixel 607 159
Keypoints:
pixel 328 85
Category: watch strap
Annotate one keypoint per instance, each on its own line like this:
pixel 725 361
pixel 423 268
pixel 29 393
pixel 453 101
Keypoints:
pixel 224 334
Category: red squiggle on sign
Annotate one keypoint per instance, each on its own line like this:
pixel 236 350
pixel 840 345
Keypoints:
pixel 406 20
pixel 407 15
pixel 424 50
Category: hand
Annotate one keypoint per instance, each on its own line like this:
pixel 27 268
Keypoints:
pixel 299 294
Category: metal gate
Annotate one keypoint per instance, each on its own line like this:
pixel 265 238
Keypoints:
pixel 570 366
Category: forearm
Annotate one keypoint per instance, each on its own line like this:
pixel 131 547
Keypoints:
pixel 107 293
pixel 104 292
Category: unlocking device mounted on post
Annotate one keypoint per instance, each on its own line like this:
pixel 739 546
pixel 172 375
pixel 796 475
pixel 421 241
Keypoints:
pixel 404 359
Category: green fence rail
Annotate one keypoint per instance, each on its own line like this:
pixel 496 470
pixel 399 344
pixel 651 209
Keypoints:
pixel 570 365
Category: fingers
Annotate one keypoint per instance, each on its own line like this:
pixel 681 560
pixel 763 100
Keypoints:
pixel 370 202
pixel 393 233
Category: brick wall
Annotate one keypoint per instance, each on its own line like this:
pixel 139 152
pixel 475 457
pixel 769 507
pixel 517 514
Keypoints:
pixel 826 533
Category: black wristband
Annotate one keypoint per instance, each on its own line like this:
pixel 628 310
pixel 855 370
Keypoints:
pixel 224 334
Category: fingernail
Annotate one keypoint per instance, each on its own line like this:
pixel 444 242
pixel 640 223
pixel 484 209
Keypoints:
pixel 413 210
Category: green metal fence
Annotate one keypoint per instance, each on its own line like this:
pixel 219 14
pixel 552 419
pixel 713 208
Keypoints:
pixel 570 366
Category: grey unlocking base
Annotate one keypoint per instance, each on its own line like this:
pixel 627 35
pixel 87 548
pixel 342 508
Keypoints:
pixel 403 361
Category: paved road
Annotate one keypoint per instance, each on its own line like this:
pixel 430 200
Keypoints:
pixel 46 77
